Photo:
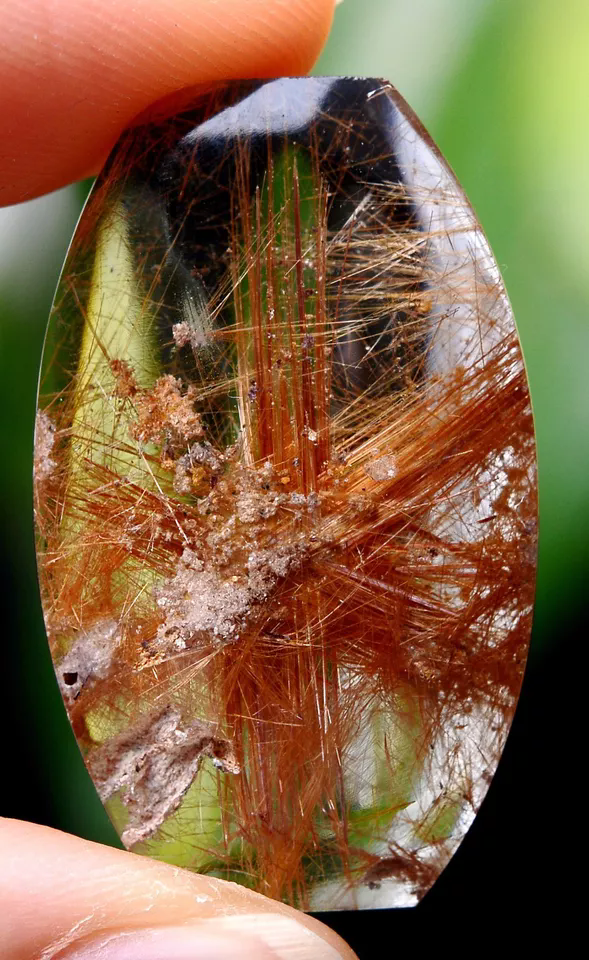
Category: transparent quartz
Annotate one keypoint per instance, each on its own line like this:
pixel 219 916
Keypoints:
pixel 285 494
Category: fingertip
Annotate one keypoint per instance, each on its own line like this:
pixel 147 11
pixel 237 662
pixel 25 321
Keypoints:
pixel 72 81
pixel 59 892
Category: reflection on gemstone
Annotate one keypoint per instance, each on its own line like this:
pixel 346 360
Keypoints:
pixel 285 495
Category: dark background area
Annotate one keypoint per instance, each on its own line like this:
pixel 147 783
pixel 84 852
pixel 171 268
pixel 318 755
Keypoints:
pixel 503 88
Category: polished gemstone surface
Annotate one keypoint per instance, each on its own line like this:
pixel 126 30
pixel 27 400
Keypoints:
pixel 285 494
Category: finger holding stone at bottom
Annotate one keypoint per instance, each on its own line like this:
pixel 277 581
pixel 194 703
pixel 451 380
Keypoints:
pixel 61 895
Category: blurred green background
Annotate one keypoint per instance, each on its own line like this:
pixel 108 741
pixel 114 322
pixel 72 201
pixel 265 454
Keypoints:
pixel 503 87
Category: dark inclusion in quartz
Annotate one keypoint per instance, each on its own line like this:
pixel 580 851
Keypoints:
pixel 285 494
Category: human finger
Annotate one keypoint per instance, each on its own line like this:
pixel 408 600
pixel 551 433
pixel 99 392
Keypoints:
pixel 73 75
pixel 63 897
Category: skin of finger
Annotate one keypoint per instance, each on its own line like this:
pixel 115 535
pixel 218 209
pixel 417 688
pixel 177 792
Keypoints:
pixel 73 75
pixel 56 890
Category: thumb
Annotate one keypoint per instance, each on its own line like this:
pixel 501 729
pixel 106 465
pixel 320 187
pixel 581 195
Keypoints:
pixel 73 75
pixel 67 899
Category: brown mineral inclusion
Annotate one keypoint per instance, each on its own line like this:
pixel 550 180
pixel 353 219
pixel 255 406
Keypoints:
pixel 285 494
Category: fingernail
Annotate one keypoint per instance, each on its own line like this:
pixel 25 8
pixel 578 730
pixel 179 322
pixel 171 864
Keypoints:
pixel 285 937
pixel 245 937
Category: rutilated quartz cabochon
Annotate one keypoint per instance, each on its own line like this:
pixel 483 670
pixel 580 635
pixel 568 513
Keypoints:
pixel 285 494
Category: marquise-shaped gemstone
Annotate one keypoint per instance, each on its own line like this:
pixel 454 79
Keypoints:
pixel 285 494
